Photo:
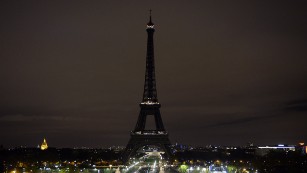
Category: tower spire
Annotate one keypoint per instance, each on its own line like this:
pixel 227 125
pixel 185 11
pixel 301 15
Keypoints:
pixel 150 24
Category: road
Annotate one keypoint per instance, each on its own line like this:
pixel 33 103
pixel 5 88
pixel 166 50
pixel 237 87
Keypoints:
pixel 217 169
pixel 146 164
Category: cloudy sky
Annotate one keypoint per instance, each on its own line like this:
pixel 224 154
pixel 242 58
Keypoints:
pixel 228 72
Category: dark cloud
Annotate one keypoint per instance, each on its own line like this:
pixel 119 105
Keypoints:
pixel 297 105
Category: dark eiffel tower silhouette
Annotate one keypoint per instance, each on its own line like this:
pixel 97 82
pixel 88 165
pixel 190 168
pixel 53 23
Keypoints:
pixel 149 107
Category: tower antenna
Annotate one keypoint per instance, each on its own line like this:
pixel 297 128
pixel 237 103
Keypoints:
pixel 150 21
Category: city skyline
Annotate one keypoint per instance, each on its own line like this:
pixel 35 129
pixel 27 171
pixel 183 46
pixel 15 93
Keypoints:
pixel 227 73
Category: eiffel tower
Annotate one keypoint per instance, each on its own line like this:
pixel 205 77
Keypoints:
pixel 149 107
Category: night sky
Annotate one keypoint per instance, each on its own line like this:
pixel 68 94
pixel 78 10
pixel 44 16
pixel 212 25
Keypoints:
pixel 228 72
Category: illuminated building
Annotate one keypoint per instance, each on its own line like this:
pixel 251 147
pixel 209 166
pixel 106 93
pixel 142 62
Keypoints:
pixel 264 150
pixel 44 145
pixel 302 148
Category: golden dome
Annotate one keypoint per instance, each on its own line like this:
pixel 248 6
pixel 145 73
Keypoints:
pixel 44 145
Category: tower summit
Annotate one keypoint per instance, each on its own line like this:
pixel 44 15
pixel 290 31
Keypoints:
pixel 141 137
pixel 150 24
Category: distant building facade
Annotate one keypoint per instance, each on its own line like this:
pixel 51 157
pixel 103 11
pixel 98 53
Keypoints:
pixel 261 151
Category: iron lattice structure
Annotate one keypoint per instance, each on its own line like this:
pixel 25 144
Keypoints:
pixel 149 107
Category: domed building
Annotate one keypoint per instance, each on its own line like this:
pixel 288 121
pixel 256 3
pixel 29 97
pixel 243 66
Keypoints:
pixel 44 145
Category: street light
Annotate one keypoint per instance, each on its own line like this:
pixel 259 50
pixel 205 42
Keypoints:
pixel 110 168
